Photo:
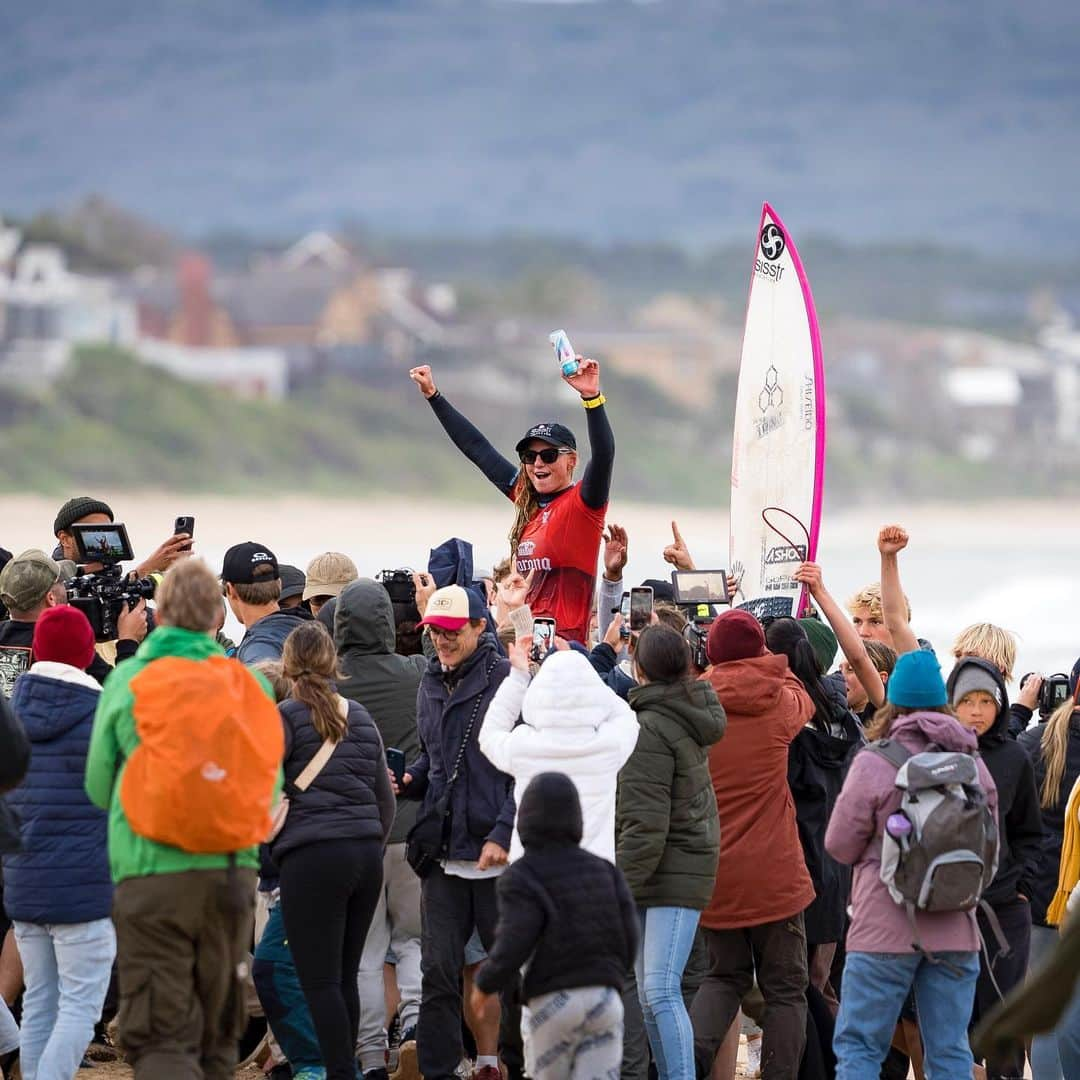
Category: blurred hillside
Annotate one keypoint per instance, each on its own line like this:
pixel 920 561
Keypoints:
pixel 610 120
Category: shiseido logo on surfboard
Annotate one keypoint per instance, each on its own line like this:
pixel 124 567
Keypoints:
pixel 772 245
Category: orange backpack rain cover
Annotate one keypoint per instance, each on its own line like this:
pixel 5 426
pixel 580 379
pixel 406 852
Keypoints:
pixel 211 743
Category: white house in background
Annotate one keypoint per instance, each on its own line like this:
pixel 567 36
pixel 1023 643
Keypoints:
pixel 1061 342
pixel 246 372
pixel 47 309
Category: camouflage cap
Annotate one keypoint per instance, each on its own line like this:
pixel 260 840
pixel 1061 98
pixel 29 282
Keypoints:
pixel 26 580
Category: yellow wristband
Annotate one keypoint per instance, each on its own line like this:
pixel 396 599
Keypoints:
pixel 595 402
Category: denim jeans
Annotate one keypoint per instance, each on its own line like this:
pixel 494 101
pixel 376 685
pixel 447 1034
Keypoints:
pixel 1056 1055
pixel 67 970
pixel 667 936
pixel 874 988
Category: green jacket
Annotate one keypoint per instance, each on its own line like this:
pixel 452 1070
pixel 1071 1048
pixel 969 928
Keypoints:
pixel 112 743
pixel 667 832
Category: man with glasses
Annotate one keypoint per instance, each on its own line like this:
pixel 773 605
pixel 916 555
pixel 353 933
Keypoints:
pixel 459 892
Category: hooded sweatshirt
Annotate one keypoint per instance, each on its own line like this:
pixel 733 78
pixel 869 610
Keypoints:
pixel 573 724
pixel 376 677
pixel 856 829
pixel 667 825
pixel 565 915
pixel 761 876
pixel 62 873
pixel 1021 839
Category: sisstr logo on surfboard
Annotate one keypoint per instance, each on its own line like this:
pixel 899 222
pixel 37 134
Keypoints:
pixel 778 455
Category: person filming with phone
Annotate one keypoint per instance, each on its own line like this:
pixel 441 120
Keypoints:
pixel 558 523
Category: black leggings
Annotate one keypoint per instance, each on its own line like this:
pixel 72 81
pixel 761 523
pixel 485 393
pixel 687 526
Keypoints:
pixel 329 891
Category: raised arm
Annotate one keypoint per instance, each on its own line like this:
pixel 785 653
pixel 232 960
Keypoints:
pixel 850 643
pixel 891 541
pixel 466 436
pixel 596 481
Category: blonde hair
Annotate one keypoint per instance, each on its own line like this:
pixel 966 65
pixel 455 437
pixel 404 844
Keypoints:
pixel 310 660
pixel 988 642
pixel 882 656
pixel 526 503
pixel 1055 749
pixel 869 597
pixel 275 676
pixel 882 723
pixel 502 570
pixel 189 597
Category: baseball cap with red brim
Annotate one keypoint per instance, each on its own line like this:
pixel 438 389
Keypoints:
pixel 452 606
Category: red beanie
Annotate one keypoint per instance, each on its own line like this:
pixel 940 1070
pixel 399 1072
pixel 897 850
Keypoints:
pixel 64 634
pixel 735 635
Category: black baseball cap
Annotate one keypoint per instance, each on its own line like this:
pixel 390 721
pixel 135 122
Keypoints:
pixel 245 564
pixel 293 580
pixel 549 432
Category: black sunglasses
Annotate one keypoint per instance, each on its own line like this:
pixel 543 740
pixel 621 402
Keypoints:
pixel 548 456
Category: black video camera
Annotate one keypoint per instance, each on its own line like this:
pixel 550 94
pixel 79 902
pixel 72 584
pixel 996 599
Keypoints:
pixel 696 633
pixel 102 595
pixel 399 584
pixel 1053 693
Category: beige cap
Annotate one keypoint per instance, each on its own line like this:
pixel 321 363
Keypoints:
pixel 328 574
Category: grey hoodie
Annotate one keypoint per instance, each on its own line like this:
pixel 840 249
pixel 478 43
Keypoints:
pixel 375 676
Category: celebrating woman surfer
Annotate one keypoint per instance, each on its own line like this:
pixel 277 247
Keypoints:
pixel 558 525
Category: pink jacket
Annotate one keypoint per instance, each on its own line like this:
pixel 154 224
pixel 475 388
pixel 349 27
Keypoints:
pixel 878 923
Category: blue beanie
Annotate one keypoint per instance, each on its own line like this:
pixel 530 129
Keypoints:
pixel 916 681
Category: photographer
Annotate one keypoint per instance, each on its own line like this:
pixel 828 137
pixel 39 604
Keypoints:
pixel 31 584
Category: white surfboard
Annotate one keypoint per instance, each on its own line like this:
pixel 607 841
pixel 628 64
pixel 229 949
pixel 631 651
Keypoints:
pixel 778 457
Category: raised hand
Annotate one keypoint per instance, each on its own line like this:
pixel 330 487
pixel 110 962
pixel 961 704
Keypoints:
pixel 422 377
pixel 677 553
pixel 616 551
pixel 809 574
pixel 425 586
pixel 892 539
pixel 176 547
pixel 587 380
pixel 518 652
pixel 513 590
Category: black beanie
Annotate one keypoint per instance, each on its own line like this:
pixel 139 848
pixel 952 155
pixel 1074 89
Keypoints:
pixel 78 508
pixel 549 814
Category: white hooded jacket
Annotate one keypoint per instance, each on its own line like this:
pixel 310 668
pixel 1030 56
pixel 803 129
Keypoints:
pixel 573 724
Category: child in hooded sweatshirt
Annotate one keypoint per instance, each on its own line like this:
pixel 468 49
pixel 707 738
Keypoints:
pixel 882 964
pixel 977 691
pixel 567 918
pixel 573 724
pixel 58 890
pixel 669 833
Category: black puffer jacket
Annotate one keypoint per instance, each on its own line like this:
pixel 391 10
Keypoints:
pixel 564 913
pixel 1019 818
pixel 1044 881
pixel 380 680
pixel 14 761
pixel 351 799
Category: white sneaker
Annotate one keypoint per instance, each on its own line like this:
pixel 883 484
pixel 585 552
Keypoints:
pixel 753 1056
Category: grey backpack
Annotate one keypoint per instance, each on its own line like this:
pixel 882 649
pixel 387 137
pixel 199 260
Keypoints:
pixel 948 856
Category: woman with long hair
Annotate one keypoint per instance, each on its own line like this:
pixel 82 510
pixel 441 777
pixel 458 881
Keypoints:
pixel 1055 753
pixel 330 849
pixel 558 524
pixel 816 761
pixel 668 833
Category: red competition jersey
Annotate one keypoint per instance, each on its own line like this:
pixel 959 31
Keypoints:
pixel 560 547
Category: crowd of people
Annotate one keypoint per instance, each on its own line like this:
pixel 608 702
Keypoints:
pixel 421 840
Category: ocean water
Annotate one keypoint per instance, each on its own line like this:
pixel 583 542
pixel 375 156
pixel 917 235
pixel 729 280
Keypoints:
pixel 1013 564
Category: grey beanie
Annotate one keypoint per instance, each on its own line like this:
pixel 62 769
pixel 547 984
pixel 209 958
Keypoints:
pixel 973 677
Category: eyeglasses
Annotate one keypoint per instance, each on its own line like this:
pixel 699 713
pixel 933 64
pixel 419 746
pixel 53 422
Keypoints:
pixel 439 631
pixel 548 456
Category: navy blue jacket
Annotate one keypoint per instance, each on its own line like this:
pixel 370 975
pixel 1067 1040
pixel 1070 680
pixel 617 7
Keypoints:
pixel 265 639
pixel 482 803
pixel 62 874
pixel 350 799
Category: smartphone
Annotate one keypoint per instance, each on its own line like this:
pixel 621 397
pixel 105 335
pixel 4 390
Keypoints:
pixel 641 605
pixel 395 762
pixel 184 525
pixel 624 610
pixel 700 586
pixel 543 638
